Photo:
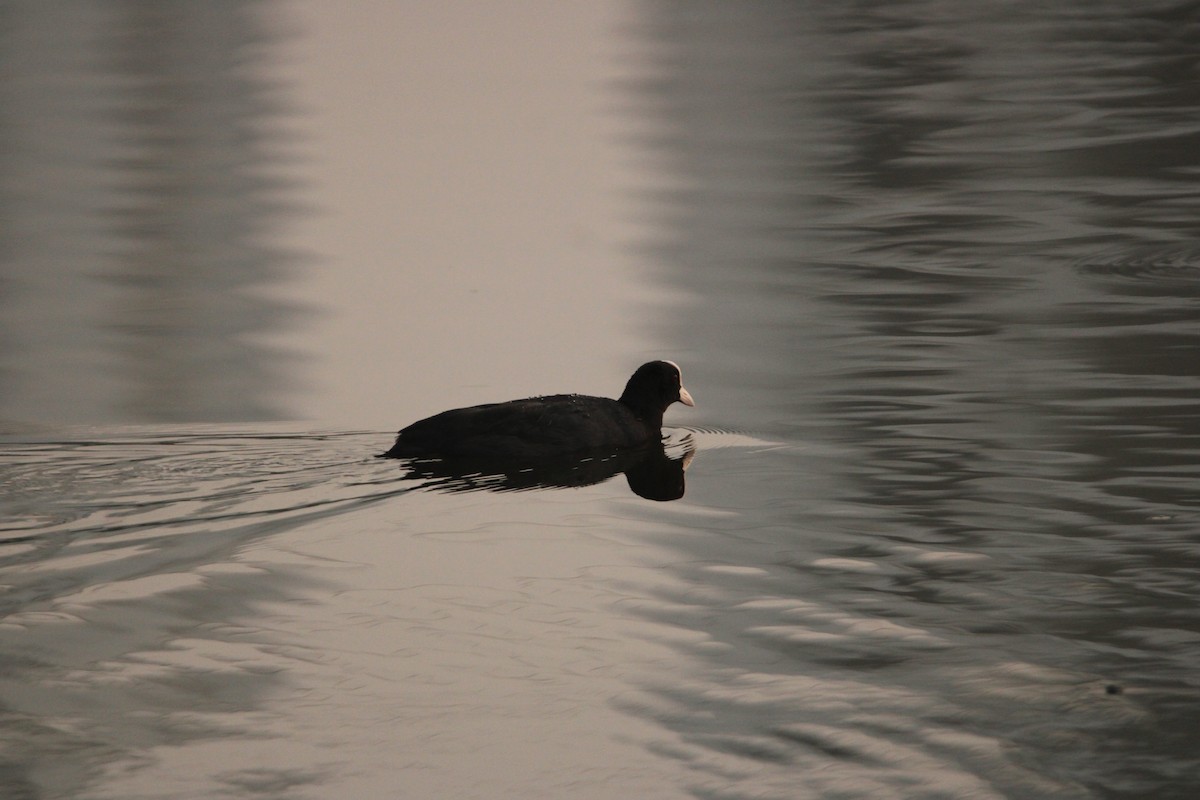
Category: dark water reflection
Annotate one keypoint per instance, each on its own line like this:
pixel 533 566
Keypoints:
pixel 140 186
pixel 968 235
pixel 651 472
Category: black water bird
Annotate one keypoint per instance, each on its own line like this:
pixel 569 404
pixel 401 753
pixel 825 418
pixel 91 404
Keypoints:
pixel 552 426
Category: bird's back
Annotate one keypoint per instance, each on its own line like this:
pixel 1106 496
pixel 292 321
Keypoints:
pixel 533 427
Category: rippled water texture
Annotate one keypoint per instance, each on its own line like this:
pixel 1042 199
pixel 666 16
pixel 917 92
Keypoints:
pixel 232 613
pixel 932 272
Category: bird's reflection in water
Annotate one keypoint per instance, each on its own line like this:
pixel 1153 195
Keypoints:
pixel 651 471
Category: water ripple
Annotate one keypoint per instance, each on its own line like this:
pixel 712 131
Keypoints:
pixel 1167 270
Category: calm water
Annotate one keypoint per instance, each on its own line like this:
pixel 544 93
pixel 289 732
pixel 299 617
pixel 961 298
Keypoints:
pixel 933 275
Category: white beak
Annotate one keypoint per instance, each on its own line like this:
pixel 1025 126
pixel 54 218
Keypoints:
pixel 685 397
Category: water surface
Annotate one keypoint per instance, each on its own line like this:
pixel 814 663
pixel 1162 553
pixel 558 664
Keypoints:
pixel 932 275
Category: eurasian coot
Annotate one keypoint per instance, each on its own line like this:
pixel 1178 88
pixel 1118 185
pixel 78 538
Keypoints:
pixel 560 424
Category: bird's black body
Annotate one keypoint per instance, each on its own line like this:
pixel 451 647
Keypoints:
pixel 555 425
